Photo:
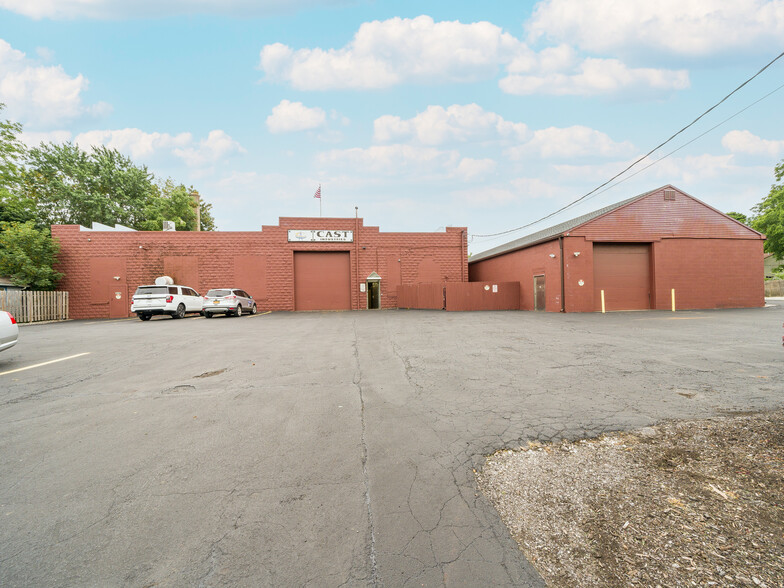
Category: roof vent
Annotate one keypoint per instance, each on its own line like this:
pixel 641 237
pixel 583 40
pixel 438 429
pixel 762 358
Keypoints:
pixel 669 194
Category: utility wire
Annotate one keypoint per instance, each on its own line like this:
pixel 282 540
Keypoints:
pixel 713 128
pixel 627 168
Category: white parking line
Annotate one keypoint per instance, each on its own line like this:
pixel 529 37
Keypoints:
pixel 29 367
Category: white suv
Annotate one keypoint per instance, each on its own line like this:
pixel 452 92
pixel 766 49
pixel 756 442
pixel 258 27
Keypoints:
pixel 172 300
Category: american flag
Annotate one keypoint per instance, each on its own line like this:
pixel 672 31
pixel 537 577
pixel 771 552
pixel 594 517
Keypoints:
pixel 318 193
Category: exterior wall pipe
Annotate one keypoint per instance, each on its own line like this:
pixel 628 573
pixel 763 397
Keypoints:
pixel 563 286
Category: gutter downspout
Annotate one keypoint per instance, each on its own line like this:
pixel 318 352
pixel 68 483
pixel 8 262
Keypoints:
pixel 563 286
pixel 356 255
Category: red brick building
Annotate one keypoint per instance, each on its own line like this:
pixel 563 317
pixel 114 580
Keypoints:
pixel 300 264
pixel 634 254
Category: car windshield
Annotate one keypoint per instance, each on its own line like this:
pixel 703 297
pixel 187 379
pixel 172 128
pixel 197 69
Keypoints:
pixel 152 290
pixel 218 293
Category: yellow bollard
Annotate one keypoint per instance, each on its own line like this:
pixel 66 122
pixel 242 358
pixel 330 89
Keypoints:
pixel 673 299
pixel 602 301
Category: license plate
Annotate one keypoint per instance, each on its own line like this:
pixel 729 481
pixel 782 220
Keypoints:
pixel 215 302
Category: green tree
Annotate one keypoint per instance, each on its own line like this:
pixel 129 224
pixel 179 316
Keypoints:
pixel 738 216
pixel 13 206
pixel 769 216
pixel 70 186
pixel 11 152
pixel 27 255
pixel 176 203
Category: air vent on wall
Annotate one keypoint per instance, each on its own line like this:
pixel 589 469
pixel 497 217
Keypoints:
pixel 669 194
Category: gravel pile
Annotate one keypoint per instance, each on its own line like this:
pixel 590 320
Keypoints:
pixel 690 503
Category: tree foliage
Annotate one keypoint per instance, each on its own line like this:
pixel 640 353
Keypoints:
pixel 738 216
pixel 11 152
pixel 27 255
pixel 769 215
pixel 176 203
pixel 71 186
pixel 62 184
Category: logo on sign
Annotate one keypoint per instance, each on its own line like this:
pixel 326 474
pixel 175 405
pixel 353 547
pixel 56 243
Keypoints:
pixel 319 236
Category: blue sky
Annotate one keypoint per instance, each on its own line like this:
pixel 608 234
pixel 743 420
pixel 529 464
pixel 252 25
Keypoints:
pixel 487 115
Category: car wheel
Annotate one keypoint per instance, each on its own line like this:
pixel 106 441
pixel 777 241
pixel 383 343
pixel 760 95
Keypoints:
pixel 207 315
pixel 145 317
pixel 238 312
pixel 253 309
pixel 180 313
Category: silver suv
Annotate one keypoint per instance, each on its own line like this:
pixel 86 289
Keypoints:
pixel 159 299
pixel 228 301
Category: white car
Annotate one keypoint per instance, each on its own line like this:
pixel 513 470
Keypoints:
pixel 9 330
pixel 165 299
pixel 228 301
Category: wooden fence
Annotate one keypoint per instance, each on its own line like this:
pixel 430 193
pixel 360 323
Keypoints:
pixel 33 307
pixel 774 288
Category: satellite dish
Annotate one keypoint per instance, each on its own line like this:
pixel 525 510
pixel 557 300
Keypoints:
pixel 169 226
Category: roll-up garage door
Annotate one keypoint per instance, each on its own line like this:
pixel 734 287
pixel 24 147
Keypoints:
pixel 623 271
pixel 322 281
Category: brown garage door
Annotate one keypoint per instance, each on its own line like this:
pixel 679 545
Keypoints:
pixel 322 281
pixel 622 270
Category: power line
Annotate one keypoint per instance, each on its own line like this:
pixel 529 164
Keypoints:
pixel 627 168
pixel 713 128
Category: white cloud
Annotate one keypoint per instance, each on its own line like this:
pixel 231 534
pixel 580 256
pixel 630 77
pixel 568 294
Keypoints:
pixel 390 52
pixel 672 170
pixel 40 95
pixel 217 145
pixel 138 144
pixel 472 169
pixel 420 50
pixel 391 159
pixel 113 9
pixel 483 196
pixel 570 142
pixel 132 142
pixel 438 125
pixel 34 139
pixel 289 117
pixel 592 77
pixel 693 27
pixel 746 142
pixel 516 190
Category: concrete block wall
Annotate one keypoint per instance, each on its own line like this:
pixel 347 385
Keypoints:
pixel 261 262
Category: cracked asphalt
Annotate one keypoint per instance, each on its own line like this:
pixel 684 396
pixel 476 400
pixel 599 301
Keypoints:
pixel 328 449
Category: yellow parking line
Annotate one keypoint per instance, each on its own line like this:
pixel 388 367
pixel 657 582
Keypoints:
pixel 29 367
pixel 261 313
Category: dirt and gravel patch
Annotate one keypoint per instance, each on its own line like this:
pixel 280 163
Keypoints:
pixel 687 503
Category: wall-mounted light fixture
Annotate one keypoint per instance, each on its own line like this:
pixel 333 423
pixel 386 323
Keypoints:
pixel 117 278
pixel 552 255
pixel 577 254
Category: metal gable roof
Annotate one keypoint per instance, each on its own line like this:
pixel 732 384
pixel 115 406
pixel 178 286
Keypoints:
pixel 555 231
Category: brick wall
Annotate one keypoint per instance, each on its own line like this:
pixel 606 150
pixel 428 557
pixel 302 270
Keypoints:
pixel 705 273
pixel 521 266
pixel 258 261
pixel 708 273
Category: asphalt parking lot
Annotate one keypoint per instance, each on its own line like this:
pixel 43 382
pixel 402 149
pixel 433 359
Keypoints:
pixel 327 449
